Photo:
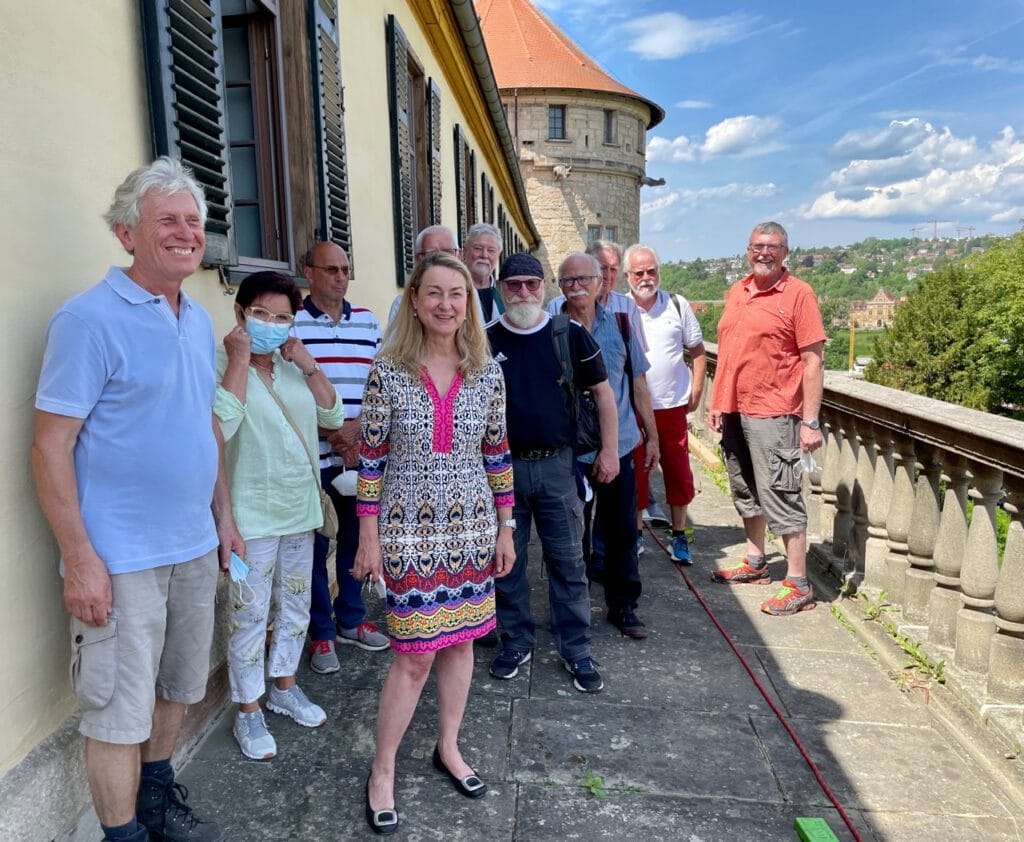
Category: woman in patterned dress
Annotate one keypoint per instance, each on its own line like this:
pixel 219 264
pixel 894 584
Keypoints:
pixel 435 506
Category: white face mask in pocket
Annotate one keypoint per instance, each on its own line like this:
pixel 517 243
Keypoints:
pixel 345 483
pixel 239 571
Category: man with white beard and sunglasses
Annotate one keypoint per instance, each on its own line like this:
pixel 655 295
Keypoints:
pixel 542 438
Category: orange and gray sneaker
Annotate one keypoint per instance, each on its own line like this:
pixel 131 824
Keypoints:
pixel 743 573
pixel 789 600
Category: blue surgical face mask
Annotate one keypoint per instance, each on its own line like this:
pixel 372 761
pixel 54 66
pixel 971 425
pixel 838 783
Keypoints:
pixel 238 571
pixel 265 336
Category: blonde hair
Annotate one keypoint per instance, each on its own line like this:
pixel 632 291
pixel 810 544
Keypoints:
pixel 404 341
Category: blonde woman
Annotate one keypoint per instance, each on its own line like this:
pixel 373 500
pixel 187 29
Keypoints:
pixel 435 507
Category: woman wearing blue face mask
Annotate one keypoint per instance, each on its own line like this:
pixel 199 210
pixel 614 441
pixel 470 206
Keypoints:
pixel 271 399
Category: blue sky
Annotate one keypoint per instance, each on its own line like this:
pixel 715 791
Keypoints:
pixel 839 120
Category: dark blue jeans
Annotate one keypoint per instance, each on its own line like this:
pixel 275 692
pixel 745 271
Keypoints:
pixel 348 608
pixel 546 494
pixel 615 506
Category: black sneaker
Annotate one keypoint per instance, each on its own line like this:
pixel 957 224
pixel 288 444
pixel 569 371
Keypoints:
pixel 628 623
pixel 507 664
pixel 162 809
pixel 585 676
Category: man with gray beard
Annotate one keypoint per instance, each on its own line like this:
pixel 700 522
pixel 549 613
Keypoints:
pixel 542 437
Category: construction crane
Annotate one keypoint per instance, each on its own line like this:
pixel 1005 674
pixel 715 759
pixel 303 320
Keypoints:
pixel 914 231
pixel 968 228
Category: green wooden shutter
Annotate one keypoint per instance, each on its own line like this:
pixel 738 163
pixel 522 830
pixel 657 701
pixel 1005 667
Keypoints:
pixel 434 117
pixel 185 75
pixel 460 185
pixel 333 212
pixel 401 168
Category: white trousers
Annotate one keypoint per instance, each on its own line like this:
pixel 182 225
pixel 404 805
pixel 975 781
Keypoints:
pixel 279 576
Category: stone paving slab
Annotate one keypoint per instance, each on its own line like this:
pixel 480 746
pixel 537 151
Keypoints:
pixel 682 742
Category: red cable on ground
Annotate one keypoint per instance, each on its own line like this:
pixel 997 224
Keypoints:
pixel 757 683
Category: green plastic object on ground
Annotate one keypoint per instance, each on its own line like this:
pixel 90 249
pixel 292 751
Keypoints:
pixel 814 830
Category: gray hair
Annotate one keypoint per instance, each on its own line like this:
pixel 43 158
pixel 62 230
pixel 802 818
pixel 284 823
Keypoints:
pixel 482 228
pixel 575 254
pixel 167 176
pixel 434 229
pixel 595 247
pixel 633 249
pixel 771 228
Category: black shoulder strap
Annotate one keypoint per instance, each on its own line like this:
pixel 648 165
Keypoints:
pixel 560 339
pixel 675 300
pixel 622 319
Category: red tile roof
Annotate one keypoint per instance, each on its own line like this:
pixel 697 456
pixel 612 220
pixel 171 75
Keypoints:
pixel 528 51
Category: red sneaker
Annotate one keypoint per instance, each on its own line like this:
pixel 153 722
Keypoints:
pixel 789 600
pixel 741 574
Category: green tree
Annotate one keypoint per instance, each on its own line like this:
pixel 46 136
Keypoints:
pixel 960 336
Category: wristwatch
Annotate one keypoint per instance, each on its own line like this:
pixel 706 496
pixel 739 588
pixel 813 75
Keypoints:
pixel 510 523
pixel 814 424
pixel 312 371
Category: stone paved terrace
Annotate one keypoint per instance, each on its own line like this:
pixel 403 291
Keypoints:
pixel 681 741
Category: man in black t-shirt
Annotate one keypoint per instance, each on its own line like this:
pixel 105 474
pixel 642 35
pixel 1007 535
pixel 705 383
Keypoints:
pixel 542 435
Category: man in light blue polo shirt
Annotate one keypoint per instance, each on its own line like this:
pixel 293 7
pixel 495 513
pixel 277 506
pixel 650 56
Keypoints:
pixel 126 459
pixel 615 501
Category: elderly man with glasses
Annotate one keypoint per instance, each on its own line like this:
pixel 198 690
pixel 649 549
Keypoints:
pixel 542 437
pixel 615 499
pixel 343 339
pixel 765 402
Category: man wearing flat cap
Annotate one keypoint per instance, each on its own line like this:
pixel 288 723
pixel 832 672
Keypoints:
pixel 542 436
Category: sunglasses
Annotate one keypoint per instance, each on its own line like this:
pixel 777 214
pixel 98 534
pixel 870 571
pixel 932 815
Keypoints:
pixel 532 284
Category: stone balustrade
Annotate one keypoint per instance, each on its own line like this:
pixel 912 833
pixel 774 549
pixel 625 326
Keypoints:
pixel 889 511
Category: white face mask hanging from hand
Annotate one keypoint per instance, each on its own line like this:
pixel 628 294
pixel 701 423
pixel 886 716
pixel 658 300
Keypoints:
pixel 239 571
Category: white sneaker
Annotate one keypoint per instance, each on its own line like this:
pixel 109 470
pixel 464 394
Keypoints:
pixel 293 702
pixel 253 737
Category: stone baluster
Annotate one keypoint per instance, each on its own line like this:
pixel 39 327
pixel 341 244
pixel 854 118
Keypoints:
pixel 897 520
pixel 876 547
pixel 859 497
pixel 1006 661
pixel 950 544
pixel 843 527
pixel 924 526
pixel 829 475
pixel 975 621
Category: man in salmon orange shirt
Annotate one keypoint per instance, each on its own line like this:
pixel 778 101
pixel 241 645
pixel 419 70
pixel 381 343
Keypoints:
pixel 765 402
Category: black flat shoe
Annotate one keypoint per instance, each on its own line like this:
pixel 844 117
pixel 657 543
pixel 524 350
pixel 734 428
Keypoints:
pixel 471 786
pixel 381 822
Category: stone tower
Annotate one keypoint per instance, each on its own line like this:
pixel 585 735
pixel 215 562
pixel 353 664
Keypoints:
pixel 580 135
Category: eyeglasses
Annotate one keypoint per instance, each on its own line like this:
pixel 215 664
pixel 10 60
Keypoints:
pixel 532 284
pixel 576 280
pixel 421 254
pixel 754 248
pixel 262 315
pixel 639 273
pixel 331 270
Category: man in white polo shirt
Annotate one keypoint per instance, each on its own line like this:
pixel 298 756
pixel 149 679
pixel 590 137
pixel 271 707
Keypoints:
pixel 671 330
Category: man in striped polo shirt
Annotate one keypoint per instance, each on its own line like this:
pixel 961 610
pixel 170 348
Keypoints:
pixel 343 340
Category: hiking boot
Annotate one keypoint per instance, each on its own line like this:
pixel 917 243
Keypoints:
pixel 585 676
pixel 743 573
pixel 322 658
pixel 294 703
pixel 789 600
pixel 140 835
pixel 507 664
pixel 366 636
pixel 628 623
pixel 162 809
pixel 253 738
pixel 681 550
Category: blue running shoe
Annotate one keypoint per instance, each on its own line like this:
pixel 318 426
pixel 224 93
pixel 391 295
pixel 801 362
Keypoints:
pixel 681 550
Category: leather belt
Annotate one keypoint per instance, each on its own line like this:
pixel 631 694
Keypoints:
pixel 539 453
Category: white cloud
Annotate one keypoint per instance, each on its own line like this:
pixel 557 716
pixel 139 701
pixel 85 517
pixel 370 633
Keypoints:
pixel 668 206
pixel 675 150
pixel 747 135
pixel 894 139
pixel 941 175
pixel 670 35
pixel 692 103
pixel 982 61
